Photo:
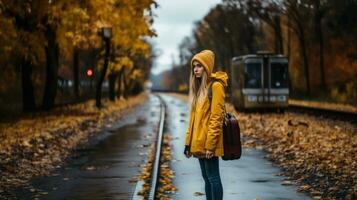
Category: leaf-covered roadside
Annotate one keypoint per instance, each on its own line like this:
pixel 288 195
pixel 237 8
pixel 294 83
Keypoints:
pixel 36 144
pixel 165 185
pixel 324 105
pixel 317 154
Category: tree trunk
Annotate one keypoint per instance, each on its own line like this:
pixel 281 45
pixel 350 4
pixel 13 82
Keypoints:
pixel 228 69
pixel 112 78
pixel 119 93
pixel 28 98
pixel 319 37
pixel 130 87
pixel 76 72
pixel 289 39
pixel 102 74
pixel 128 83
pixel 52 63
pixel 322 57
pixel 289 53
pixel 125 86
pixel 279 48
pixel 301 36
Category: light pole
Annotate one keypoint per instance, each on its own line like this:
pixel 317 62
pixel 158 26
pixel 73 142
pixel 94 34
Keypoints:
pixel 106 34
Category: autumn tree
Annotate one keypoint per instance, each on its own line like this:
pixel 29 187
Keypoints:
pixel 297 12
pixel 268 12
pixel 23 20
pixel 41 33
pixel 317 37
pixel 319 10
pixel 226 37
pixel 41 25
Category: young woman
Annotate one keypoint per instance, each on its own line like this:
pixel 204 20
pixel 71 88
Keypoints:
pixel 204 139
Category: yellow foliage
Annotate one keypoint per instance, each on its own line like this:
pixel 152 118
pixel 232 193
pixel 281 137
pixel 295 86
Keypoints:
pixel 137 74
pixel 183 87
pixel 126 61
pixel 349 92
pixel 120 63
pixel 77 24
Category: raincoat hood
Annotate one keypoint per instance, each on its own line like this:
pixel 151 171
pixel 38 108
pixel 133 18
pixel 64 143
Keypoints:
pixel 206 58
pixel 222 77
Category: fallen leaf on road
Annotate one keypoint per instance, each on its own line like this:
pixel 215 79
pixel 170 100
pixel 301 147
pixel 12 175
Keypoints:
pixel 303 188
pixel 287 183
pixel 90 168
pixel 133 180
pixel 198 194
pixel 317 153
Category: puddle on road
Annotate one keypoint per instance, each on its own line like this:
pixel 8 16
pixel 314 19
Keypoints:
pixel 104 168
pixel 259 181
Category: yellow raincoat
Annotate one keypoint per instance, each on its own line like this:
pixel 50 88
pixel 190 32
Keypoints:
pixel 205 126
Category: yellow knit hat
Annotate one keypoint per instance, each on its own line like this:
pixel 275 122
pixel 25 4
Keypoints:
pixel 206 58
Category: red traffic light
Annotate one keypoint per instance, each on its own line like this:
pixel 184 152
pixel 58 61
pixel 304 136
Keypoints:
pixel 89 72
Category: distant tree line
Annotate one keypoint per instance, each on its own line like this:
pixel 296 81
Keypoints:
pixel 317 36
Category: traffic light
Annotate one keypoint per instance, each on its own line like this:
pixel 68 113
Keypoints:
pixel 89 72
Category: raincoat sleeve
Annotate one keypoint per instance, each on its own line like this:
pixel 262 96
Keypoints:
pixel 188 131
pixel 215 122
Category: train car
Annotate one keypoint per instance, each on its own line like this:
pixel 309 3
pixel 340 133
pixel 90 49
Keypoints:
pixel 259 81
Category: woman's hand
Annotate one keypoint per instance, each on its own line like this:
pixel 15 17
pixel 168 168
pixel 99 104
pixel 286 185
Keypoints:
pixel 209 154
pixel 188 155
pixel 187 151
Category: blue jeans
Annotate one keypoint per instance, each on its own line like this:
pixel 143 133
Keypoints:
pixel 210 173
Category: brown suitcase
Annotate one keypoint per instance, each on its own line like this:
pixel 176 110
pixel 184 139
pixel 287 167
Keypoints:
pixel 231 138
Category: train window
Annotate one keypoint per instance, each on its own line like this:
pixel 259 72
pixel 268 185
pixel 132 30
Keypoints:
pixel 253 73
pixel 279 75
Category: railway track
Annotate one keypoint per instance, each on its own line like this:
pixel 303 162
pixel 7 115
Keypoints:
pixel 155 174
pixel 333 114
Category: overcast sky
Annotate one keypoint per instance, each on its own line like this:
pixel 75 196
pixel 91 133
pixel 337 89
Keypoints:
pixel 174 21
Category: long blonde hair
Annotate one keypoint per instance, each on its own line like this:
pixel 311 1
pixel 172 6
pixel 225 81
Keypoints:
pixel 198 88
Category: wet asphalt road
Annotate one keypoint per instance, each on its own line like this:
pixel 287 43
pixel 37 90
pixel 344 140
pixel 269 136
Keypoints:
pixel 245 179
pixel 103 169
